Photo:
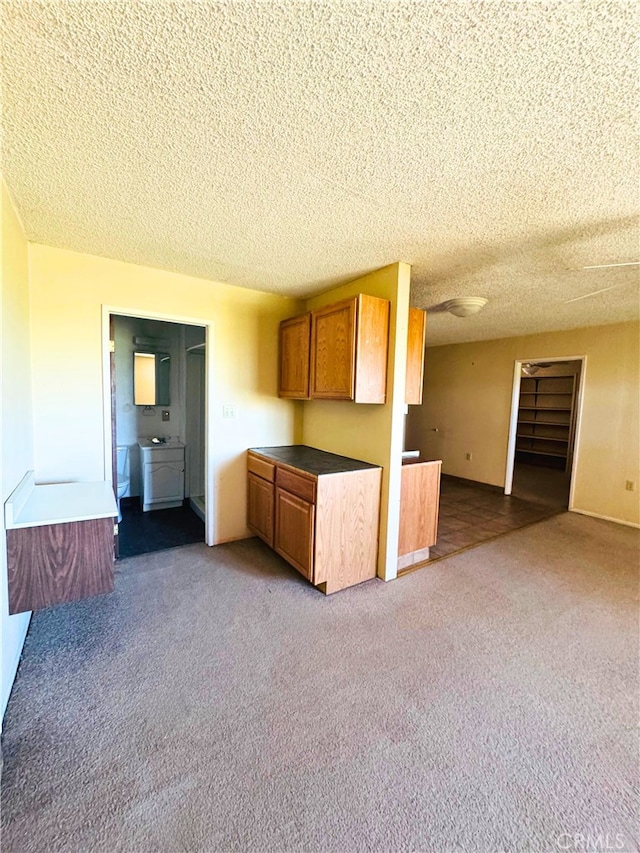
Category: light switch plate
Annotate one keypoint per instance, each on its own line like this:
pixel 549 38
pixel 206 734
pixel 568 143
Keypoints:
pixel 228 411
pixel 166 415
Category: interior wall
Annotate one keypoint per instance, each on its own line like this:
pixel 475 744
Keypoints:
pixel 16 421
pixel 467 397
pixel 373 433
pixel 68 290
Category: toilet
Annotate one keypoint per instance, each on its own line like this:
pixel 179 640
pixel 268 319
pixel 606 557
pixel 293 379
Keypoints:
pixel 122 454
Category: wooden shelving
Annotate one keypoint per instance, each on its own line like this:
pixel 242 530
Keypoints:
pixel 545 420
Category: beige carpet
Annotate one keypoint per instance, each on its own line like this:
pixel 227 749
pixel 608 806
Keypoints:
pixel 216 702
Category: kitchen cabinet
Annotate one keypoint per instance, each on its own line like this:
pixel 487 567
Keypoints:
pixel 416 338
pixel 338 352
pixel 546 420
pixel 162 467
pixel 60 542
pixel 419 508
pixel 349 349
pixel 319 511
pixel 295 344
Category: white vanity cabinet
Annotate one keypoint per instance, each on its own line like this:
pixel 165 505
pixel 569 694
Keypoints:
pixel 162 470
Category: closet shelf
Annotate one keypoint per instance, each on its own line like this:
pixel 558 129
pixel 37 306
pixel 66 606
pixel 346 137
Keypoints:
pixel 541 437
pixel 545 408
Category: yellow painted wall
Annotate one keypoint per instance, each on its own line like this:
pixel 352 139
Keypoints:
pixel 373 433
pixel 16 416
pixel 467 396
pixel 68 290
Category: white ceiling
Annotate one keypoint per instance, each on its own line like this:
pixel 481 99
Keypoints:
pixel 290 146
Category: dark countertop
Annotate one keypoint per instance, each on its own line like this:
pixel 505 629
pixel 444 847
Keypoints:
pixel 312 460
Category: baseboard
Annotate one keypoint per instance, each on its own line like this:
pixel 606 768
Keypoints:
pixel 466 480
pixel 605 517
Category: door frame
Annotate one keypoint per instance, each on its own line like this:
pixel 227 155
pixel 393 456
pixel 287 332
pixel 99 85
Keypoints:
pixel 108 439
pixel 513 422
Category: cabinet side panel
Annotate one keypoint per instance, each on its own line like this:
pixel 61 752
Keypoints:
pixel 419 506
pixel 59 562
pixel 372 349
pixel 416 337
pixel 347 525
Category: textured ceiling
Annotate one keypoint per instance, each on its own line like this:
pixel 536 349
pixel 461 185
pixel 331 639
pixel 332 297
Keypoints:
pixel 289 146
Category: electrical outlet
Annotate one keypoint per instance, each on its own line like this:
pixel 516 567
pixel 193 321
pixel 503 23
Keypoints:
pixel 228 411
pixel 166 415
pixel 469 457
pixel 629 485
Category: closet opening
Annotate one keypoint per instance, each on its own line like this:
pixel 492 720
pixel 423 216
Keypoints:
pixel 157 372
pixel 544 427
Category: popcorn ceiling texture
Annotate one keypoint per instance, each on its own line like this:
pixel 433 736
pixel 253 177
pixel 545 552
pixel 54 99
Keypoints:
pixel 291 146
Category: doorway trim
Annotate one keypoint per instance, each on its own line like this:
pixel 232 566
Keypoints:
pixel 513 422
pixel 107 311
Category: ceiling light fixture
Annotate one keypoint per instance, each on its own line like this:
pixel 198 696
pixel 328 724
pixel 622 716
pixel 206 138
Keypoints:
pixel 464 306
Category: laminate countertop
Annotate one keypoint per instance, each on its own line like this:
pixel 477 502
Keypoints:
pixel 32 505
pixel 311 460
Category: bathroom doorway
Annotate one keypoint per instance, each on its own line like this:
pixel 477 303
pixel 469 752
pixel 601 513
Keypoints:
pixel 158 430
pixel 545 420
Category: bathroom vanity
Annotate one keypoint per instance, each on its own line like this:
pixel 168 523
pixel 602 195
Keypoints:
pixel 162 470
pixel 59 542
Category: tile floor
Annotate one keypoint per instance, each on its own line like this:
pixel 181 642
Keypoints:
pixel 472 512
pixel 145 532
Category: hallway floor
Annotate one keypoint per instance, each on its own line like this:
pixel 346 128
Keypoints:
pixel 471 513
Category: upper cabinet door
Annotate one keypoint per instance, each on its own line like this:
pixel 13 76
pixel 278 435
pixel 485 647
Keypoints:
pixel 293 380
pixel 333 351
pixel 415 356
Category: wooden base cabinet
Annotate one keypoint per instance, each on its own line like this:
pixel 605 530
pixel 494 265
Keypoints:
pixel 324 524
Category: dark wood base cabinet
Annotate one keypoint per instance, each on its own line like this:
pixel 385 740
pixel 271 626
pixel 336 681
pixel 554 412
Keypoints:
pixel 59 562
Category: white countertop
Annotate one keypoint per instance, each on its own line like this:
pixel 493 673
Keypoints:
pixel 33 505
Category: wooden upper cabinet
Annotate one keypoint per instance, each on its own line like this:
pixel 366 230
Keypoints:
pixel 293 380
pixel 349 348
pixel 415 356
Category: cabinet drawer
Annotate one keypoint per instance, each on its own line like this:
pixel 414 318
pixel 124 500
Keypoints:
pixel 296 484
pixel 163 454
pixel 262 468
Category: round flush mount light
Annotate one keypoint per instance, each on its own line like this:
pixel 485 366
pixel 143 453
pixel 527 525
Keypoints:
pixel 464 306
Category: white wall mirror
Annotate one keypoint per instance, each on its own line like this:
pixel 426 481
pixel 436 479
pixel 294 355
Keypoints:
pixel 151 378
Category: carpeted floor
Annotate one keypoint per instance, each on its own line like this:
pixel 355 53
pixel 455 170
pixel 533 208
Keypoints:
pixel 217 702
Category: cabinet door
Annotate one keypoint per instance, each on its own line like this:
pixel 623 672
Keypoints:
pixel 415 356
pixel 295 341
pixel 294 531
pixel 333 351
pixel 260 507
pixel 163 481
